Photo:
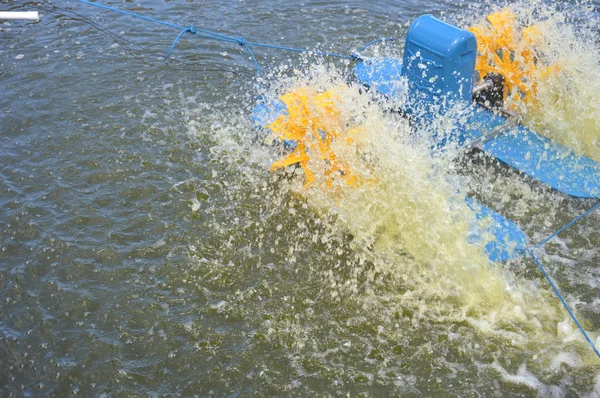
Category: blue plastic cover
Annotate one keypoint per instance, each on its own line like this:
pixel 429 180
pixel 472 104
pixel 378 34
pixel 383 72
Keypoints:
pixel 439 61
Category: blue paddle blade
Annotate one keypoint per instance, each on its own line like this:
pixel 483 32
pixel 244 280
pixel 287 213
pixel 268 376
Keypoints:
pixel 508 241
pixel 267 111
pixel 548 162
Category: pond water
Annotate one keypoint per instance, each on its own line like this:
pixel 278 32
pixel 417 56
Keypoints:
pixel 146 249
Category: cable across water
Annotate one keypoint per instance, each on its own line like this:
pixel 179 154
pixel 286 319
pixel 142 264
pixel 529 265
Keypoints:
pixel 562 300
pixel 547 276
pixel 211 35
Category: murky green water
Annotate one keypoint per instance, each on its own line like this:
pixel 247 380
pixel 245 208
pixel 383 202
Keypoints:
pixel 145 249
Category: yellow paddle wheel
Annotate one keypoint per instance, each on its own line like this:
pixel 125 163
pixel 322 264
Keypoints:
pixel 506 49
pixel 313 122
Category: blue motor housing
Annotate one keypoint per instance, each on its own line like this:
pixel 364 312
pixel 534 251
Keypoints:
pixel 439 64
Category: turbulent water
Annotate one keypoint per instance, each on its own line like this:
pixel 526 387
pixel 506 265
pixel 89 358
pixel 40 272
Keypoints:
pixel 146 249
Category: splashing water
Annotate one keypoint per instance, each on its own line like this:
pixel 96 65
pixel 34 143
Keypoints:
pixel 563 89
pixel 396 261
pixel 409 229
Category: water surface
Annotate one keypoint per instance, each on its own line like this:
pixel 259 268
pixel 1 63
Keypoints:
pixel 145 249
